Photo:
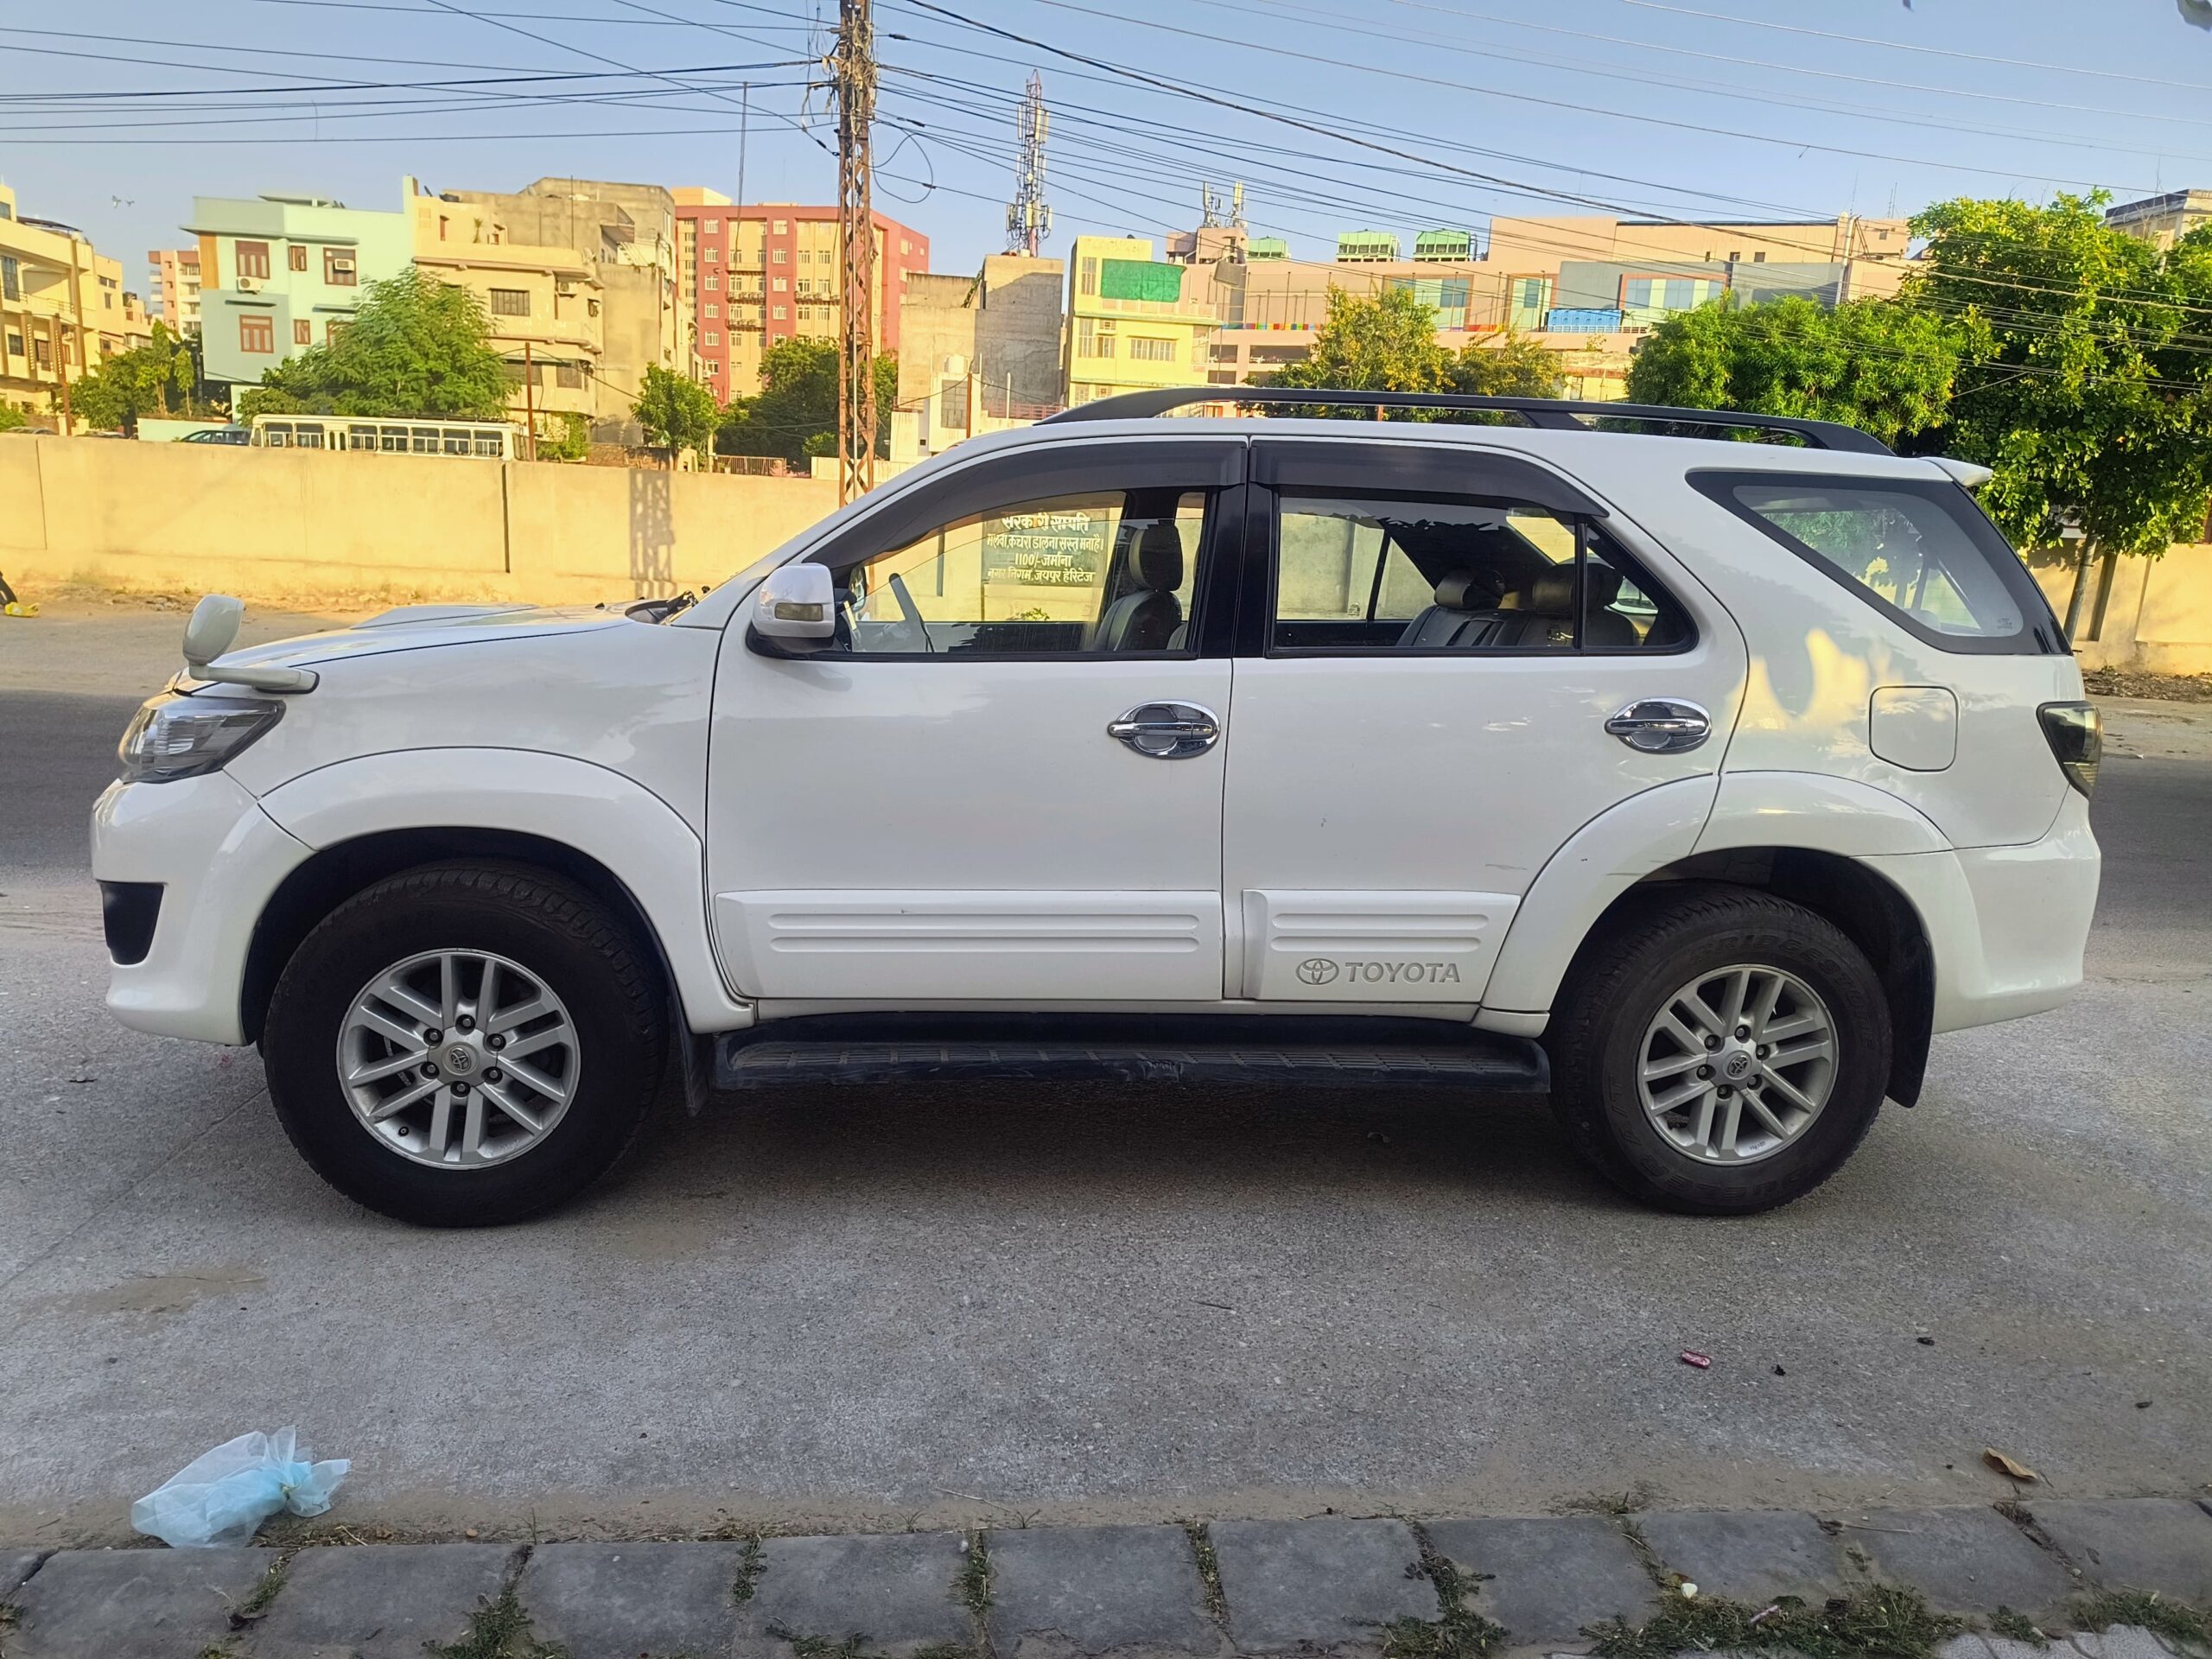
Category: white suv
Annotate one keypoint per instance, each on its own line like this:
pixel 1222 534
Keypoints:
pixel 1697 782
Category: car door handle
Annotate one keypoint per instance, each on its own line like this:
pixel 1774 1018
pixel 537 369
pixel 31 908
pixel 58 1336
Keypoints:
pixel 1167 731
pixel 1661 725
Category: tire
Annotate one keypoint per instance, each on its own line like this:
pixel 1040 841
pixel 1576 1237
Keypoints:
pixel 595 1049
pixel 1604 1036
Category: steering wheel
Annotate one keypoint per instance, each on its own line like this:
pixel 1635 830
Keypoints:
pixel 912 613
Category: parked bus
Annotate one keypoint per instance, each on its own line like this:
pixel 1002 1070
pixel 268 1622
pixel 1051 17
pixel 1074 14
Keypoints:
pixel 483 440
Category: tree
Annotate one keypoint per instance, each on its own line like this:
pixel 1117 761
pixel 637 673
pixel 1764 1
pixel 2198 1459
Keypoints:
pixel 1516 367
pixel 1886 368
pixel 1383 342
pixel 10 417
pixel 157 378
pixel 570 441
pixel 2087 385
pixel 675 410
pixel 794 414
pixel 416 346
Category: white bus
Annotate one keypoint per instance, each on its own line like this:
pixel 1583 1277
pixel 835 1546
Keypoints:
pixel 482 439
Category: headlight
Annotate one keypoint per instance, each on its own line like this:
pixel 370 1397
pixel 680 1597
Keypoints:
pixel 173 737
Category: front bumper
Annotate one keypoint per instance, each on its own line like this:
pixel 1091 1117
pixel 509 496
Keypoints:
pixel 218 858
pixel 2007 925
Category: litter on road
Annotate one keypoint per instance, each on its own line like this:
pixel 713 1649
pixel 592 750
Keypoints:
pixel 222 1496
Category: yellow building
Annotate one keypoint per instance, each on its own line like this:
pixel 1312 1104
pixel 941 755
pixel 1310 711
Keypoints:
pixel 1134 321
pixel 63 309
pixel 543 305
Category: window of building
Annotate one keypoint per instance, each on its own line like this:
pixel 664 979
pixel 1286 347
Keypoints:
pixel 338 267
pixel 335 330
pixel 777 312
pixel 569 376
pixel 14 344
pixel 782 228
pixel 510 302
pixel 41 351
pixel 713 310
pixel 303 332
pixel 713 338
pixel 1144 348
pixel 780 285
pixel 257 333
pixel 445 226
pixel 1759 258
pixel 952 403
pixel 776 257
pixel 297 256
pixel 712 255
pixel 713 280
pixel 11 277
pixel 712 226
pixel 1087 283
pixel 253 259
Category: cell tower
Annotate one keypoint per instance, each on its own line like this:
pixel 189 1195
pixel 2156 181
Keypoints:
pixel 1028 219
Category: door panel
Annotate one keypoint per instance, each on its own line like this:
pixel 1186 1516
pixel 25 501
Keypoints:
pixel 932 806
pixel 1391 801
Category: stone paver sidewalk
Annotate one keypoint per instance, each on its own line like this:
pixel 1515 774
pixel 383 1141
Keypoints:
pixel 1210 1591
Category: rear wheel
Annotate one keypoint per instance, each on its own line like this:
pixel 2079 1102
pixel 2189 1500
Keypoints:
pixel 1720 1051
pixel 465 1045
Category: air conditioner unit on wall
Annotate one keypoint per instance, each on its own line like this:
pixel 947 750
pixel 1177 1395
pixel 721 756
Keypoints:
pixel 250 285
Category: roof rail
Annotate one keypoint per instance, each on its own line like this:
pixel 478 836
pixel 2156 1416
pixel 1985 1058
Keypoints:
pixel 1553 414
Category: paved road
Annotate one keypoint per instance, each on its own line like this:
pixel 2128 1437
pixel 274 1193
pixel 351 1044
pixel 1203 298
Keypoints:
pixel 958 1304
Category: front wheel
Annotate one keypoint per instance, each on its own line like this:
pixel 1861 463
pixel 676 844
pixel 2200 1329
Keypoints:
pixel 464 1044
pixel 1720 1051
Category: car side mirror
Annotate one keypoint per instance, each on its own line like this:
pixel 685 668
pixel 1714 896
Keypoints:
pixel 795 610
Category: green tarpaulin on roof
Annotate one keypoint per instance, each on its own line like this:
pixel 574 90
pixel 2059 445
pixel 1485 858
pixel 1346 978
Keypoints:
pixel 1139 279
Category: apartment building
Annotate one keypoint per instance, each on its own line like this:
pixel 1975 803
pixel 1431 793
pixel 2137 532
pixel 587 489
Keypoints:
pixel 752 274
pixel 172 289
pixel 2163 220
pixel 543 305
pixel 63 307
pixel 1135 321
pixel 279 274
pixel 977 354
pixel 625 234
pixel 1587 287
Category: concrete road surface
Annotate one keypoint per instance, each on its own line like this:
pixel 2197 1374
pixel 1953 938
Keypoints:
pixel 869 1307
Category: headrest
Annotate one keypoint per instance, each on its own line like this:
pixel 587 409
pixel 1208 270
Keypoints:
pixel 1464 590
pixel 1550 595
pixel 1156 560
pixel 1602 583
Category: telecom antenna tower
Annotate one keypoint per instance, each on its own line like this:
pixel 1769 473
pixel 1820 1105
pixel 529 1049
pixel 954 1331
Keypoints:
pixel 1028 219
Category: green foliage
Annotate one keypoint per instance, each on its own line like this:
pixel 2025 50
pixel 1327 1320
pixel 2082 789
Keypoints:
pixel 568 438
pixel 1384 342
pixel 2088 383
pixel 157 378
pixel 2176 1621
pixel 1883 367
pixel 415 347
pixel 1516 367
pixel 498 1629
pixel 10 417
pixel 675 410
pixel 1883 1623
pixel 794 414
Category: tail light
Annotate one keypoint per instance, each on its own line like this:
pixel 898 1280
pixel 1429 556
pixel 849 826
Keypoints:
pixel 2076 733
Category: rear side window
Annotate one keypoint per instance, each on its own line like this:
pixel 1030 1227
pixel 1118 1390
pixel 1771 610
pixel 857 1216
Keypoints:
pixel 1923 552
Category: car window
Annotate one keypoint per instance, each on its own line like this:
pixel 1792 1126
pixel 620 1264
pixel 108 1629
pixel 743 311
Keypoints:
pixel 1102 572
pixel 1906 546
pixel 1406 573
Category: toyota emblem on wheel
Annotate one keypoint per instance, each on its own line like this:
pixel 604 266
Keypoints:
pixel 1317 970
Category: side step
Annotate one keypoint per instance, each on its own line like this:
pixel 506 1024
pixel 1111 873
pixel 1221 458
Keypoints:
pixel 1284 1050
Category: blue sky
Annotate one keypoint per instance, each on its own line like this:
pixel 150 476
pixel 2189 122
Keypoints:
pixel 1460 108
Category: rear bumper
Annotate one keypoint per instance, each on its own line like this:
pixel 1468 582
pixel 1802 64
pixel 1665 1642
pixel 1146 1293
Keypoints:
pixel 2007 925
pixel 216 858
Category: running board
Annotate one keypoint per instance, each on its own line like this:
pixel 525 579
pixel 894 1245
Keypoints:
pixel 1279 1050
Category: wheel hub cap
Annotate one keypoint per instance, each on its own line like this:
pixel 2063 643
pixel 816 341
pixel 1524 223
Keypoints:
pixel 458 1059
pixel 1737 1064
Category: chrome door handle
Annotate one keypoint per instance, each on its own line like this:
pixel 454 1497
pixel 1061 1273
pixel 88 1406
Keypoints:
pixel 1167 731
pixel 1661 725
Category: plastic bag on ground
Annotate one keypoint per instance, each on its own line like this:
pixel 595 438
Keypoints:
pixel 222 1496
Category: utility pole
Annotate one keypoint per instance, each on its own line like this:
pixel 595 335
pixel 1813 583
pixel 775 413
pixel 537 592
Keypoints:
pixel 1028 219
pixel 853 65
pixel 61 353
pixel 58 336
pixel 530 399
